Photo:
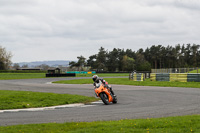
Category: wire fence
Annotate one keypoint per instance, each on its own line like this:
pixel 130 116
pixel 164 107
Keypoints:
pixel 176 70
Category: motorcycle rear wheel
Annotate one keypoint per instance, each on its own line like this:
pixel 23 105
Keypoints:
pixel 104 98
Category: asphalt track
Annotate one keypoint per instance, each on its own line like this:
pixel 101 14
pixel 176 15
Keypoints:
pixel 133 102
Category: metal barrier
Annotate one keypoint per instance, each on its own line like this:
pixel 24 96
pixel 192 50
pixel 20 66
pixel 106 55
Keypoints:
pixel 82 72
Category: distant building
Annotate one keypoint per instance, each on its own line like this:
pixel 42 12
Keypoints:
pixel 54 71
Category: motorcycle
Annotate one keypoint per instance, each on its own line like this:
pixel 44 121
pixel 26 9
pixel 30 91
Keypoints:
pixel 105 94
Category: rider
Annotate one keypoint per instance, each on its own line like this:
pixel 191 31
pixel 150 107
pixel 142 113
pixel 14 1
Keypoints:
pixel 96 79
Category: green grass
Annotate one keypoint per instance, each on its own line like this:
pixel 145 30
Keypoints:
pixel 195 71
pixel 126 81
pixel 26 99
pixel 103 75
pixel 7 76
pixel 180 124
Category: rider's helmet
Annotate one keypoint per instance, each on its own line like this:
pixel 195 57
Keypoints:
pixel 94 78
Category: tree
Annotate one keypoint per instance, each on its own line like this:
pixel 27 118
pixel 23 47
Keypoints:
pixel 16 66
pixel 143 60
pixel 121 54
pixel 25 66
pixel 73 64
pixel 80 64
pixel 92 61
pixel 130 53
pixel 194 54
pixel 187 55
pixel 144 66
pixel 101 59
pixel 140 63
pixel 128 63
pixel 113 60
pixel 5 59
pixel 182 61
pixel 155 52
pixel 44 67
pixel 169 56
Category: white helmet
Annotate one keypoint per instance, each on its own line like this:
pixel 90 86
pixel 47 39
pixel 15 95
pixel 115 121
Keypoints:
pixel 95 77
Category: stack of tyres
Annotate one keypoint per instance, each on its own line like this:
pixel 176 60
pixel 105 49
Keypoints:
pixel 192 77
pixel 162 77
pixel 180 77
pixel 153 77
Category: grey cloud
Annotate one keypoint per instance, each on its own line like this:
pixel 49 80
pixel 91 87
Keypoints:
pixel 188 4
pixel 16 3
pixel 68 28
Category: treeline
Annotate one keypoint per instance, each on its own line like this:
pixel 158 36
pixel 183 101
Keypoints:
pixel 155 57
pixel 5 58
pixel 180 56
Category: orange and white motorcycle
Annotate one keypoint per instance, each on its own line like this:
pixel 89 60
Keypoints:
pixel 104 93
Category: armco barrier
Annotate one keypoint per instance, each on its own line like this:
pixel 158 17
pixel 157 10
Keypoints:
pixel 81 72
pixel 89 73
pixel 136 77
pixel 181 77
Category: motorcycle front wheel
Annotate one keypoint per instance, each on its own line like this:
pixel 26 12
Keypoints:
pixel 114 99
pixel 104 98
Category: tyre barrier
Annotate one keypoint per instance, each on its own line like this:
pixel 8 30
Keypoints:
pixel 136 77
pixel 180 77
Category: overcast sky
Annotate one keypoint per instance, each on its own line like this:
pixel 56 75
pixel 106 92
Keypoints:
pixel 41 30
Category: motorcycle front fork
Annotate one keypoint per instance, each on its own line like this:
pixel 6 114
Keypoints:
pixel 111 91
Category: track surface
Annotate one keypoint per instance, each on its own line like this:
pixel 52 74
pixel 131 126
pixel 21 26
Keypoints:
pixel 133 102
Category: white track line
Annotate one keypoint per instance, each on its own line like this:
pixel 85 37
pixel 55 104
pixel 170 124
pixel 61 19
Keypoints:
pixel 52 108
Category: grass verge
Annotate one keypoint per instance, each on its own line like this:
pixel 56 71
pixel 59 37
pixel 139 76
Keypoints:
pixel 103 75
pixel 126 81
pixel 195 71
pixel 7 76
pixel 26 99
pixel 179 124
